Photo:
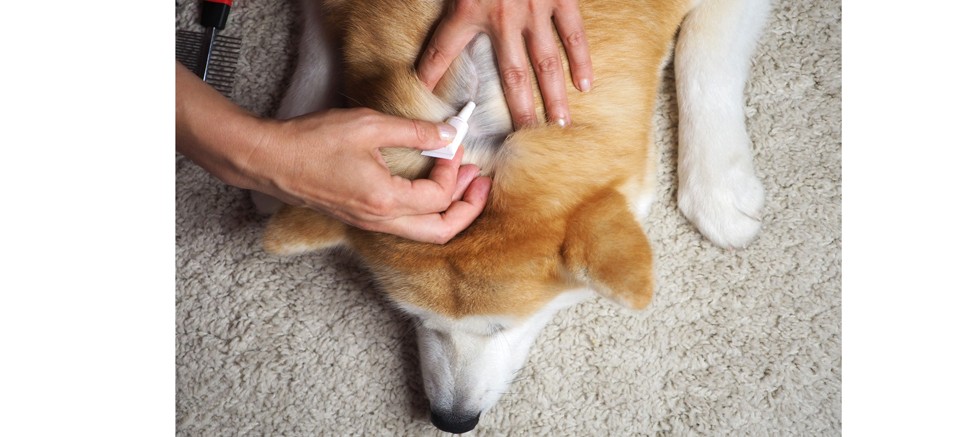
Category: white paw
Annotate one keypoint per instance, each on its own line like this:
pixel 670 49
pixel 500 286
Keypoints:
pixel 724 204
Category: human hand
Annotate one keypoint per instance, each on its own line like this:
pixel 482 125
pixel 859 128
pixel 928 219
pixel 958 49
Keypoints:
pixel 512 25
pixel 331 161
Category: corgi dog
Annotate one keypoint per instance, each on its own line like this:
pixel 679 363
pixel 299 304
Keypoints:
pixel 563 220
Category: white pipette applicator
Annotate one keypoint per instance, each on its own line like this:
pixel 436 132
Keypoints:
pixel 457 121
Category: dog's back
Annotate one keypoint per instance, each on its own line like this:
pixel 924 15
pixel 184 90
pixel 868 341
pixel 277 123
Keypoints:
pixel 607 143
pixel 553 187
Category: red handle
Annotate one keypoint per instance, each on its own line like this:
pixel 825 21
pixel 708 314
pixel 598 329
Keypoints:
pixel 214 13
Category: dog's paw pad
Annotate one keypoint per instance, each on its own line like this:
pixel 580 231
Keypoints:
pixel 727 210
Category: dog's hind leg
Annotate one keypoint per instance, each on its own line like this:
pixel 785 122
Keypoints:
pixel 718 188
pixel 314 85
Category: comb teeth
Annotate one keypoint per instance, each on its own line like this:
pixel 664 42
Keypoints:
pixel 224 58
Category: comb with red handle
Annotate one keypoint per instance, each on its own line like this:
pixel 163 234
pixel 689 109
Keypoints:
pixel 214 16
pixel 213 57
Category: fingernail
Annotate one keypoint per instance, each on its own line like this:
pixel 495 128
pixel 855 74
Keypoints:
pixel 446 132
pixel 562 121
pixel 585 85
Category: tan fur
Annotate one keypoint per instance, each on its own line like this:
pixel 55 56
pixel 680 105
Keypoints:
pixel 296 230
pixel 558 215
pixel 602 241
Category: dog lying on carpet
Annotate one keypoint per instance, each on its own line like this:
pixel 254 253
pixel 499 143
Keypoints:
pixel 563 218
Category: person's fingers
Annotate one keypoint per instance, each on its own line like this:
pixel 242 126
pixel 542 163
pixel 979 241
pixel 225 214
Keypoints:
pixel 464 177
pixel 440 228
pixel 443 175
pixel 549 70
pixel 425 195
pixel 571 29
pixel 391 131
pixel 448 41
pixel 515 77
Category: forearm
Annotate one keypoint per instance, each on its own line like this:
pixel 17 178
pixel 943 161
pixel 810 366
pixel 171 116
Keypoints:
pixel 215 133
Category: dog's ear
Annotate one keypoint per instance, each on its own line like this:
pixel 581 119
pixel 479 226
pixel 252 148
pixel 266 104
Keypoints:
pixel 606 247
pixel 294 230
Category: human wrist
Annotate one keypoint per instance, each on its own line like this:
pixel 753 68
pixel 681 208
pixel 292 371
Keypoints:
pixel 258 160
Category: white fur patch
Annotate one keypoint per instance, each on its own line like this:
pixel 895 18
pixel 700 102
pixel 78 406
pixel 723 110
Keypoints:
pixel 468 363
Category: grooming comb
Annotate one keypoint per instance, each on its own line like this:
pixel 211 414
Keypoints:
pixel 213 57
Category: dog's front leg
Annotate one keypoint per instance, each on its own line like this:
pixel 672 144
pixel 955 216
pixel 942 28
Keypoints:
pixel 718 188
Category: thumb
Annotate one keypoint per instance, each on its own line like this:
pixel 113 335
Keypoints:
pixel 417 134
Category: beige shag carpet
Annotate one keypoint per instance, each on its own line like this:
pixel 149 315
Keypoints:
pixel 735 343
